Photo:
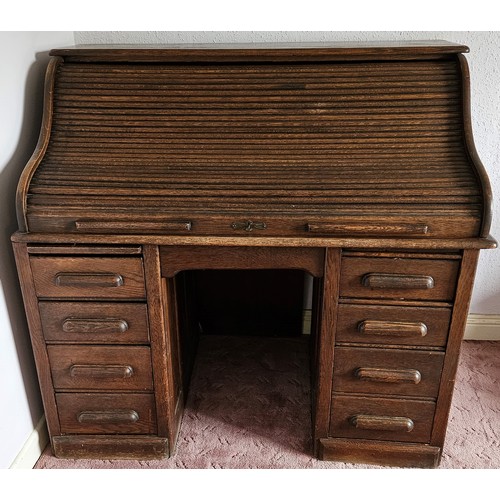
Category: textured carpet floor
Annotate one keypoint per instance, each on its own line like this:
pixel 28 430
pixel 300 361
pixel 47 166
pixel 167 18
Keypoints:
pixel 249 407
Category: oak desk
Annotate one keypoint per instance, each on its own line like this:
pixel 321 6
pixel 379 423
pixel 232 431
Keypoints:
pixel 353 163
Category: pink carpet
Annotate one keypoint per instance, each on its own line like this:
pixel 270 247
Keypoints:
pixel 248 407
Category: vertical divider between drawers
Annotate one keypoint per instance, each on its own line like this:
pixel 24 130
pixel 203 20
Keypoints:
pixel 327 328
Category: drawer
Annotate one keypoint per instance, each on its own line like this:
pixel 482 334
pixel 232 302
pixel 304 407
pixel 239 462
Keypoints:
pixel 398 278
pixel 94 322
pixel 88 277
pixel 100 368
pixel 387 371
pixel 106 413
pixel 385 419
pixel 419 326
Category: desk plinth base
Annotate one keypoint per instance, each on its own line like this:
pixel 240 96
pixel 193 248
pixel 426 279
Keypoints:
pixel 392 454
pixel 111 447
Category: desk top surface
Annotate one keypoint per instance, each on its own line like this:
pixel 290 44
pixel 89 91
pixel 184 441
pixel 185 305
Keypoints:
pixel 312 51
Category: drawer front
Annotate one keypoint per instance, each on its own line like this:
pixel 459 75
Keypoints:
pixel 106 413
pixel 381 418
pixel 94 322
pixel 398 278
pixel 387 371
pixel 100 368
pixel 88 277
pixel 419 326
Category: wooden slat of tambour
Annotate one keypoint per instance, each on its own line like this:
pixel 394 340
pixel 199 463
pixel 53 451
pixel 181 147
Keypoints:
pixel 156 198
pixel 288 79
pixel 264 154
pixel 167 74
pixel 278 216
pixel 258 177
pixel 220 99
pixel 314 195
pixel 388 164
pixel 340 143
pixel 319 194
pixel 403 90
pixel 249 183
pixel 182 108
pixel 247 120
pixel 211 171
pixel 121 203
pixel 139 141
pixel 205 217
pixel 213 176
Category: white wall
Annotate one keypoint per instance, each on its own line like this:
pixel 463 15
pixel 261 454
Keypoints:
pixel 24 59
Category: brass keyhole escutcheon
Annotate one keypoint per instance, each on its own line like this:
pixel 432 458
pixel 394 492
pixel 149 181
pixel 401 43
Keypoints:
pixel 248 225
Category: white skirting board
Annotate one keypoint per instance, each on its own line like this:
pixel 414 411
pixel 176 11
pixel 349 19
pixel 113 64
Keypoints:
pixel 482 327
pixel 33 448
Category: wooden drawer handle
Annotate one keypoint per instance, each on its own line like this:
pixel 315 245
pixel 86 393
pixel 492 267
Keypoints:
pixel 403 281
pixel 94 325
pixel 399 328
pixel 355 228
pixel 108 417
pixel 391 376
pixel 379 423
pixel 119 225
pixel 89 280
pixel 101 371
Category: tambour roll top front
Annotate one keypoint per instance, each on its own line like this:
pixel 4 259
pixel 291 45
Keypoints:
pixel 273 141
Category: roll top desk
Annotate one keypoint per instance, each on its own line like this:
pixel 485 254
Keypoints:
pixel 352 163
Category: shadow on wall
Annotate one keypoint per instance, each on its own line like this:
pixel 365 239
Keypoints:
pixel 9 177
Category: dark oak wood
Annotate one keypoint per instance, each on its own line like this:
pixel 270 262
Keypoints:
pixel 387 371
pixel 106 413
pixel 101 367
pixel 354 163
pixel 110 447
pixel 88 277
pixel 471 149
pixel 175 259
pixel 380 453
pixel 161 350
pixel 398 278
pixel 457 329
pixel 376 244
pixel 219 142
pixel 41 147
pixel 309 51
pixel 94 323
pixel 83 250
pixel 325 342
pixel 347 409
pixel 393 325
pixel 37 338
pixel 368 229
pixel 177 393
pixel 377 423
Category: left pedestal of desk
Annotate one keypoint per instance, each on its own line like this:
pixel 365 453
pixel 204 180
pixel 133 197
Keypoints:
pixel 100 348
